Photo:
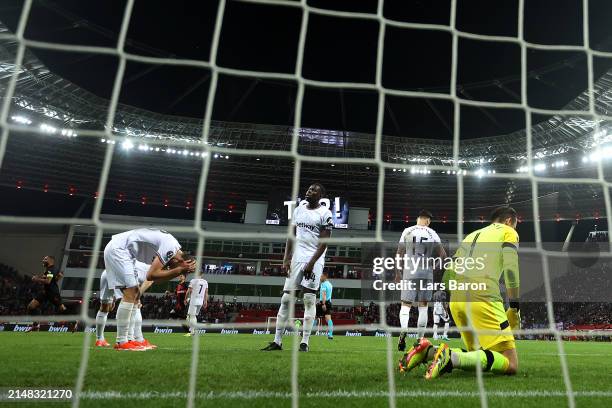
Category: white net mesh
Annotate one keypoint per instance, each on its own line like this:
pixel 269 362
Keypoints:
pixel 376 161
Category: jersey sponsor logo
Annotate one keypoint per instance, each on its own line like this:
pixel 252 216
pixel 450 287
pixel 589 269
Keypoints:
pixel 169 255
pixel 307 226
pixel 164 330
pixel 353 334
pixel 255 331
pixel 60 329
pixel 229 331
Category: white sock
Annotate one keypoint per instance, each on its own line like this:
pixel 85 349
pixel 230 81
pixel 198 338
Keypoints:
pixel 124 315
pixel 445 329
pixel 192 320
pixel 422 322
pixel 435 329
pixel 404 316
pixel 137 325
pixel 281 318
pixel 131 325
pixel 310 311
pixel 100 324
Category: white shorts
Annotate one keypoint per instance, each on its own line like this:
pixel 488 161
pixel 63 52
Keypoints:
pixel 194 310
pixel 119 267
pixel 418 294
pixel 296 280
pixel 438 316
pixel 106 295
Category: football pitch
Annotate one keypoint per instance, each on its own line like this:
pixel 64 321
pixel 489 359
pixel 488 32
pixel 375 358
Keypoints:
pixel 348 371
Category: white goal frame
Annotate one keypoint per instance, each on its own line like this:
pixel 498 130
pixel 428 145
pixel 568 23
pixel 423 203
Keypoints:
pixel 376 162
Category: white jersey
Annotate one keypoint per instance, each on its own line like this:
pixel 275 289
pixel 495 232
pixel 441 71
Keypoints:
pixel 145 243
pixel 198 291
pixel 308 226
pixel 141 269
pixel 420 242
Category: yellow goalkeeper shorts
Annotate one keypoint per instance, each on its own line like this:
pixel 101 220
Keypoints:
pixel 483 316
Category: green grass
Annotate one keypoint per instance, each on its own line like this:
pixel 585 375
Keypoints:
pixel 230 364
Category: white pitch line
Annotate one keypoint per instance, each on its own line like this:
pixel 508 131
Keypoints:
pixel 246 395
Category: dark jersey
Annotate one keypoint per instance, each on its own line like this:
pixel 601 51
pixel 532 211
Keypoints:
pixel 49 292
pixel 180 292
pixel 52 271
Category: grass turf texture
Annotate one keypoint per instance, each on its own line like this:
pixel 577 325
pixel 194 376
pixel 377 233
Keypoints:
pixel 348 371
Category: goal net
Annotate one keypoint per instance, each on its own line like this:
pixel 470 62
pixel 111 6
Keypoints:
pixel 456 167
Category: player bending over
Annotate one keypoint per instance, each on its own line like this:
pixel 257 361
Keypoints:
pixel 119 256
pixel 197 297
pixel 48 288
pixel 311 221
pixel 107 304
pixel 440 312
pixel 485 309
pixel 324 308
pixel 422 245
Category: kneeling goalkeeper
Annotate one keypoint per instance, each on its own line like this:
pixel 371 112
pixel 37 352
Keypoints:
pixel 494 250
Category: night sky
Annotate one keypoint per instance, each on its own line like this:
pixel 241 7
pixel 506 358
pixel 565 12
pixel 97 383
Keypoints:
pixel 264 37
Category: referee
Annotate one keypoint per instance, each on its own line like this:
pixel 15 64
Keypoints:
pixel 324 307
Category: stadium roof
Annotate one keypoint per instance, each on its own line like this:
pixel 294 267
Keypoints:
pixel 47 103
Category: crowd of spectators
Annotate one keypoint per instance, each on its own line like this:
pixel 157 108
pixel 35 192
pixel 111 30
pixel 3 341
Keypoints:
pixel 15 291
pixel 164 307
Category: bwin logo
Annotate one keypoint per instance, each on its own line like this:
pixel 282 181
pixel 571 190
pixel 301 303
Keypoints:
pixel 160 330
pixel 61 329
pixel 229 331
pixel 353 334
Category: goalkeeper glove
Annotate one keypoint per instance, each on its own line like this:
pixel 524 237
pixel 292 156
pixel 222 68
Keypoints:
pixel 513 314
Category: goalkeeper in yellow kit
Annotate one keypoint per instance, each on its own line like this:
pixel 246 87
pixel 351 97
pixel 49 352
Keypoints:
pixel 494 249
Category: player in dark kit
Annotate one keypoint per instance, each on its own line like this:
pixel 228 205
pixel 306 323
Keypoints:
pixel 48 289
pixel 180 293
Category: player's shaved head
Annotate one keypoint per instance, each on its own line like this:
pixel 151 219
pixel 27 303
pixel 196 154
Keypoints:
pixel 425 214
pixel 424 217
pixel 501 214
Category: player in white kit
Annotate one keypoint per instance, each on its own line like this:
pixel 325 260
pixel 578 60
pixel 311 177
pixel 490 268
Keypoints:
pixel 107 304
pixel 120 255
pixel 422 246
pixel 440 312
pixel 197 297
pixel 304 265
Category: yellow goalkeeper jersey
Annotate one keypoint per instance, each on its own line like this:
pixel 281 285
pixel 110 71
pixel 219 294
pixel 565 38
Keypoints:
pixel 481 259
